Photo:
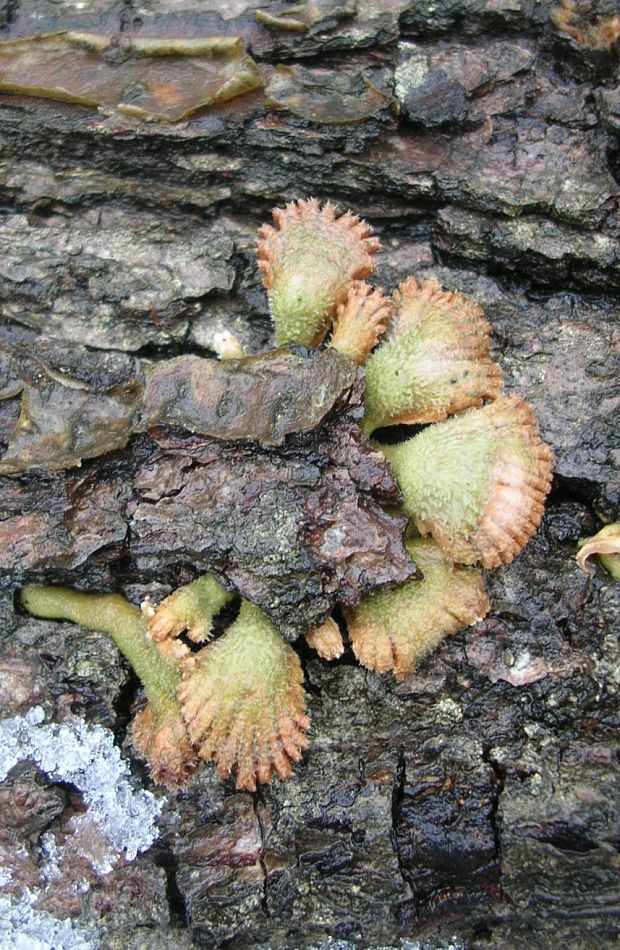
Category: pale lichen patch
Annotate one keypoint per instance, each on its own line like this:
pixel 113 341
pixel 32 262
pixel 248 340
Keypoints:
pixel 85 756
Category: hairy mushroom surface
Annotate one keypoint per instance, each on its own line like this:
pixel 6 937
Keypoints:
pixel 395 629
pixel 477 482
pixel 308 260
pixel 244 702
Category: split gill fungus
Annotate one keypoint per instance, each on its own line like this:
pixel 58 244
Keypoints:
pixel 473 481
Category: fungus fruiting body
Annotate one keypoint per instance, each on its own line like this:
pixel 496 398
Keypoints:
pixel 606 546
pixel 433 361
pixel 394 629
pixel 309 261
pixel 244 703
pixel 477 481
pixel 473 484
pixel 158 732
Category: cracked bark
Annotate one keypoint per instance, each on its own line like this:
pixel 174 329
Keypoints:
pixel 487 156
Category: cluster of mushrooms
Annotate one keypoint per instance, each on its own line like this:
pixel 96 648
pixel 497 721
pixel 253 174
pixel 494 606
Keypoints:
pixel 473 480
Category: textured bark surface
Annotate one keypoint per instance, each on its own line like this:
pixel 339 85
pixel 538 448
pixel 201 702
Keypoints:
pixel 474 804
pixel 284 506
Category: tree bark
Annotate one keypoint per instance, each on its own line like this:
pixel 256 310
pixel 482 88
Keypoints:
pixel 471 805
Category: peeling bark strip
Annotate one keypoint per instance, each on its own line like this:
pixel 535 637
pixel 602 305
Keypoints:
pixel 166 80
pixel 263 398
pixel 60 403
pixel 75 404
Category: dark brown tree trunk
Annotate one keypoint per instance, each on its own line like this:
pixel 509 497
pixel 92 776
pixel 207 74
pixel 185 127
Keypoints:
pixel 471 805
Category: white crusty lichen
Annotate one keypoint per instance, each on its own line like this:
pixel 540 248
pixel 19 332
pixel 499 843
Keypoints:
pixel 23 927
pixel 85 756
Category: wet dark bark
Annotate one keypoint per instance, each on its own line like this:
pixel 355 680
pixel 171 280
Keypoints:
pixel 475 800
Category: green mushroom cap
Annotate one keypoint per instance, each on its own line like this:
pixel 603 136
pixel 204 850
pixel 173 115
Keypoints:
pixel 308 262
pixel 394 629
pixel 432 361
pixel 476 482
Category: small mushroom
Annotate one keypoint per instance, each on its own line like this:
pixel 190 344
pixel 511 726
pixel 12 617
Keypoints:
pixel 244 703
pixel 394 629
pixel 308 262
pixel 433 361
pixel 605 544
pixel 476 482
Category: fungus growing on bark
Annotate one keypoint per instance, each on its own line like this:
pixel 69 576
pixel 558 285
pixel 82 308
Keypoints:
pixel 605 545
pixel 360 320
pixel 476 483
pixel 158 732
pixel 433 361
pixel 244 703
pixel 326 640
pixel 189 609
pixel 309 261
pixel 395 629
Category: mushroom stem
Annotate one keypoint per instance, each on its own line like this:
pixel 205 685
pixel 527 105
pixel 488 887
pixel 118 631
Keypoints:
pixel 122 622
